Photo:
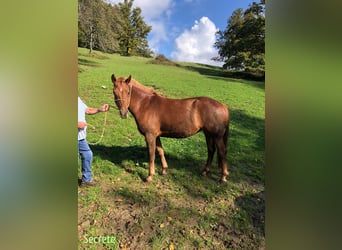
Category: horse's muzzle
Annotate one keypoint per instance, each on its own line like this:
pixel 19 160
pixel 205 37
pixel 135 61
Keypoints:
pixel 124 114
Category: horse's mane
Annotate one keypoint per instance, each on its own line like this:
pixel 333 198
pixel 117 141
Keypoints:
pixel 145 88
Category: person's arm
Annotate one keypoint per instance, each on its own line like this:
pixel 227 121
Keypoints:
pixel 92 111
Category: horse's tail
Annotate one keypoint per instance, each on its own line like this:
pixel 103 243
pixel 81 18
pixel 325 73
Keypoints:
pixel 226 133
pixel 225 136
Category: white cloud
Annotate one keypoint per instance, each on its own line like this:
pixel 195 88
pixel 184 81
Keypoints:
pixel 158 34
pixel 154 13
pixel 197 44
pixel 152 9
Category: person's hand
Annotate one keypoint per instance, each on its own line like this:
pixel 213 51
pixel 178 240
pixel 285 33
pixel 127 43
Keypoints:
pixel 105 108
pixel 82 125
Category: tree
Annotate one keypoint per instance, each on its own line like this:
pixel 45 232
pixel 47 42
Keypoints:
pixel 242 45
pixel 97 23
pixel 134 31
pixel 112 28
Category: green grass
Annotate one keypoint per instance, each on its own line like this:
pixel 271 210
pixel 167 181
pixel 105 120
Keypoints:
pixel 182 209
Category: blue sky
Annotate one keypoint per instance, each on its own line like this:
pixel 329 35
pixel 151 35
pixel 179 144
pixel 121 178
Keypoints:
pixel 184 30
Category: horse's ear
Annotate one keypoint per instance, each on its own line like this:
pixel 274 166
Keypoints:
pixel 128 79
pixel 113 78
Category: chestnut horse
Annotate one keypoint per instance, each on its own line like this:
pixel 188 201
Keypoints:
pixel 157 116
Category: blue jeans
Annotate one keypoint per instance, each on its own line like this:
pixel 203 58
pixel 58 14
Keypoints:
pixel 86 158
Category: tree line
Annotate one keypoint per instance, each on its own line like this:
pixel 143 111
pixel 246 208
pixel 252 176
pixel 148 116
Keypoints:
pixel 120 28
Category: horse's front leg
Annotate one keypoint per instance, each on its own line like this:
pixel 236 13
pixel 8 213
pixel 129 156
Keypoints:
pixel 161 154
pixel 151 146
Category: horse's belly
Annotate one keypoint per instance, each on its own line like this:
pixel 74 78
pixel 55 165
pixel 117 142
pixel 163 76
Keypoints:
pixel 180 126
pixel 178 133
pixel 175 135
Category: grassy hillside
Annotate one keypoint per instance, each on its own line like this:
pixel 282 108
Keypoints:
pixel 183 210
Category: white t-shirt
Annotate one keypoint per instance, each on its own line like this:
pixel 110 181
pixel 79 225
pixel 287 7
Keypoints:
pixel 82 133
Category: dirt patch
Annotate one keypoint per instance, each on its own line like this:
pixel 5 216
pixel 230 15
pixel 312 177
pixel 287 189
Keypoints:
pixel 141 216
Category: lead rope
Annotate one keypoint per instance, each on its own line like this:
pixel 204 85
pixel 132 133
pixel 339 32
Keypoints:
pixel 105 119
pixel 103 129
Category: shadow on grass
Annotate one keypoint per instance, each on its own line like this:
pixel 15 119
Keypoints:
pixel 252 126
pixel 121 156
pixel 246 149
pixel 216 73
pixel 94 55
pixel 210 70
pixel 85 62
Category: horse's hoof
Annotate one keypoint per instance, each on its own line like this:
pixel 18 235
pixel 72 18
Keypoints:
pixel 149 178
pixel 164 172
pixel 223 180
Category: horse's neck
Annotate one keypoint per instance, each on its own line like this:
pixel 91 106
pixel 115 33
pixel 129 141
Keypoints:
pixel 138 96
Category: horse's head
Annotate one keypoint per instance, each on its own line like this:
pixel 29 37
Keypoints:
pixel 122 94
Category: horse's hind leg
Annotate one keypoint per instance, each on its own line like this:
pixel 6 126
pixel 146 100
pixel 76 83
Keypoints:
pixel 222 160
pixel 161 154
pixel 211 150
